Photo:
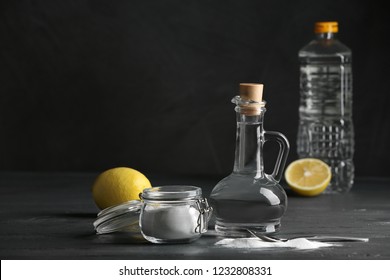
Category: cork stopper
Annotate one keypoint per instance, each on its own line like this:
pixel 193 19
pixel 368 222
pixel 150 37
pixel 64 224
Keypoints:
pixel 252 93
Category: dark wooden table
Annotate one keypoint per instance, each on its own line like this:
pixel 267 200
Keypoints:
pixel 50 216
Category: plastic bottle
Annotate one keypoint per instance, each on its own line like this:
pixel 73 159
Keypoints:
pixel 325 113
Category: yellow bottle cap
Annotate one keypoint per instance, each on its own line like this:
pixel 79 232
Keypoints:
pixel 326 27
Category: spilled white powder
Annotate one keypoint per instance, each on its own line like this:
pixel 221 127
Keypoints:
pixel 296 243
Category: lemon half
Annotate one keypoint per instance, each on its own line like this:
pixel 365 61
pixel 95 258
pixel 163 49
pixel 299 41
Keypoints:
pixel 118 185
pixel 308 176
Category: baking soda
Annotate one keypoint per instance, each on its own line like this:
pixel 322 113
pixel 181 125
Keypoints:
pixel 171 223
pixel 296 243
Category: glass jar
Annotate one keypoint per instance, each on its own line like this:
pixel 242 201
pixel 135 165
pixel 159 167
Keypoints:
pixel 166 214
pixel 249 198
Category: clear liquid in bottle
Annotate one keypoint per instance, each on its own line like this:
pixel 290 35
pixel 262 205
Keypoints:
pixel 325 113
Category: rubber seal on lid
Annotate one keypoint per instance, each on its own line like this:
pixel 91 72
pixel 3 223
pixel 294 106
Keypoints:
pixel 122 217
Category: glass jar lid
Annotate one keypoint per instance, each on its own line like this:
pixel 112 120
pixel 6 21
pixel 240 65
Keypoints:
pixel 122 217
pixel 172 193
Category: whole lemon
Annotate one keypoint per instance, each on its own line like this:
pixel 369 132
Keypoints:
pixel 117 185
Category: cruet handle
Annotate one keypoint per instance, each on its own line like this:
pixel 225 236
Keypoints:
pixel 284 148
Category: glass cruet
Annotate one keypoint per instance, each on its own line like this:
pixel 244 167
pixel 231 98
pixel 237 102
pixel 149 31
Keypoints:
pixel 249 198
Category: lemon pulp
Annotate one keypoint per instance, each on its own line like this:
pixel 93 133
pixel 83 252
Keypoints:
pixel 308 176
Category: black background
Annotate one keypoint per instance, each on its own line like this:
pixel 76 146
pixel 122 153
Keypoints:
pixel 90 85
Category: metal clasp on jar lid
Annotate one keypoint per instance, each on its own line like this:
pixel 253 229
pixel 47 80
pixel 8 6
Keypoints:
pixel 205 212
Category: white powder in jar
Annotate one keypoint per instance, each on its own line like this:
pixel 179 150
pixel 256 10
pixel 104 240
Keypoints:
pixel 170 222
pixel 253 242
